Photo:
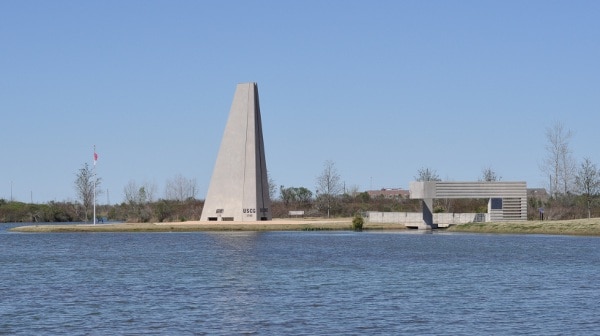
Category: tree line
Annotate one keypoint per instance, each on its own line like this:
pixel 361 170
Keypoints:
pixel 573 189
pixel 573 192
pixel 140 204
pixel 571 184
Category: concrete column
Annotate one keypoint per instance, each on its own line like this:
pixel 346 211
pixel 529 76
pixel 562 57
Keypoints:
pixel 428 213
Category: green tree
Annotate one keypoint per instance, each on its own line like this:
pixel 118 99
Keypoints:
pixel 295 196
pixel 304 196
pixel 288 195
pixel 364 197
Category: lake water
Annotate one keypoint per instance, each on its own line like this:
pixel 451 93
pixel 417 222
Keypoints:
pixel 298 283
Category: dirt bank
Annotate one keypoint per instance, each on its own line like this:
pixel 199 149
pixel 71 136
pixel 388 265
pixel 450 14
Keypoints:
pixel 274 225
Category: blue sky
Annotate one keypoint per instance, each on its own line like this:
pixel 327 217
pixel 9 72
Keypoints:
pixel 380 88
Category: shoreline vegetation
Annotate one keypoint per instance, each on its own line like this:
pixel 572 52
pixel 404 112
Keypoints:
pixel 575 227
pixel 580 227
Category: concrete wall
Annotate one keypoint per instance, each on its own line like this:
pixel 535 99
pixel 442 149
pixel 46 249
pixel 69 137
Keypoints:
pixel 394 217
pixel 415 219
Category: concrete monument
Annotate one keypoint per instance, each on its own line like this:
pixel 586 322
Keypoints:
pixel 239 189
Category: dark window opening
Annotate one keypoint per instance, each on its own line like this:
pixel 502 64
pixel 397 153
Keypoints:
pixel 496 203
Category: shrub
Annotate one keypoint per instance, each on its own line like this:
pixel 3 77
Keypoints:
pixel 357 222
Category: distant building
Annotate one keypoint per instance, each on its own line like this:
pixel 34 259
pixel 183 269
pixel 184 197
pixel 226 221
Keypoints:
pixel 389 193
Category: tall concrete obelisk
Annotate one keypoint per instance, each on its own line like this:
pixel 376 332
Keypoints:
pixel 239 189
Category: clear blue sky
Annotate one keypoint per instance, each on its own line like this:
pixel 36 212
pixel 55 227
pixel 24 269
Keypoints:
pixel 381 88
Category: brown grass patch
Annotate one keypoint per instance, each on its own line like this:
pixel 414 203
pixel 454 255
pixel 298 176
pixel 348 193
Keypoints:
pixel 581 227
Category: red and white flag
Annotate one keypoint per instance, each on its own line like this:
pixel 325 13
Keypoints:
pixel 95 155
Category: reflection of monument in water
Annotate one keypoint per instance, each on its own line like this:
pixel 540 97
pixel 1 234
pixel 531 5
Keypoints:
pixel 238 189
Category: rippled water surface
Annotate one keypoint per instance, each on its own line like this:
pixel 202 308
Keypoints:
pixel 285 283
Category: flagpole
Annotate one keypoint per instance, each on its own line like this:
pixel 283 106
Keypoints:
pixel 94 184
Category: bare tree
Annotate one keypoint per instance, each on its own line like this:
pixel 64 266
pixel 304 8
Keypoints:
pixel 328 186
pixel 426 174
pixel 489 175
pixel 150 190
pixel 559 164
pixel 143 194
pixel 84 186
pixel 131 192
pixel 588 182
pixel 138 199
pixel 180 188
pixel 272 186
pixel 353 190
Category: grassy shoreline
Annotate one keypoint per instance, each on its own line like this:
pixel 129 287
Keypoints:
pixel 575 227
pixel 580 227
pixel 344 224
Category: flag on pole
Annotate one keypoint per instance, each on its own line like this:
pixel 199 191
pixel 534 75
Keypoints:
pixel 95 155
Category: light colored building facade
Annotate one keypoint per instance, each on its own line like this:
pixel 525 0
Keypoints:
pixel 507 200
